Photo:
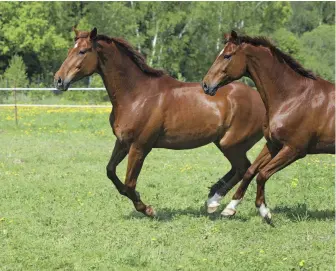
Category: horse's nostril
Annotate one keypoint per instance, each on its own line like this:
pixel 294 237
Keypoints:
pixel 59 81
pixel 205 87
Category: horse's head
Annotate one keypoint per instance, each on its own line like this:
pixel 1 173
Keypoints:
pixel 82 60
pixel 229 65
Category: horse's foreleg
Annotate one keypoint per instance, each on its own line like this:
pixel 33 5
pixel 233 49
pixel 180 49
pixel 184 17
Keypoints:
pixel 118 154
pixel 285 157
pixel 263 158
pixel 136 158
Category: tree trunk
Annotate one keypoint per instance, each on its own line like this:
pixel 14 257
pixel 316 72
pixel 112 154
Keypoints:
pixel 136 30
pixel 219 27
pixel 154 42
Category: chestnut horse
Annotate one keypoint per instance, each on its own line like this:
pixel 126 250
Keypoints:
pixel 153 110
pixel 300 108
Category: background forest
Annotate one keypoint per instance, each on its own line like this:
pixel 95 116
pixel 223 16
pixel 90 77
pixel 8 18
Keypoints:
pixel 180 37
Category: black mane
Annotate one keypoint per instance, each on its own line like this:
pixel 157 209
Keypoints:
pixel 281 56
pixel 137 58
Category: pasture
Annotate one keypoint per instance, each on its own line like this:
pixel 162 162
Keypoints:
pixel 59 211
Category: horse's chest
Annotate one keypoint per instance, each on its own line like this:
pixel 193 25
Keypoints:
pixel 123 131
pixel 278 130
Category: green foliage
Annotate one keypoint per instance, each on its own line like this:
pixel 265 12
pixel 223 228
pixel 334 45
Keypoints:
pixel 3 94
pixel 318 51
pixel 287 41
pixel 276 14
pixel 15 75
pixel 33 29
pixel 180 37
pixel 308 15
pixel 91 96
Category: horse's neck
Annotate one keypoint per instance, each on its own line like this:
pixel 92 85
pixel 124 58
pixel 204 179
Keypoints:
pixel 121 77
pixel 271 77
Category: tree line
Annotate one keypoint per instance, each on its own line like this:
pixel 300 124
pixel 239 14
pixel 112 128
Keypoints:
pixel 181 37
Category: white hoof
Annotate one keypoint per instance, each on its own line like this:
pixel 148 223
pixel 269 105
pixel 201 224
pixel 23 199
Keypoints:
pixel 212 209
pixel 230 209
pixel 213 203
pixel 264 211
pixel 228 212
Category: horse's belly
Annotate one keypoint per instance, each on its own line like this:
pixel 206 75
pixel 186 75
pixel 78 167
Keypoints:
pixel 190 129
pixel 185 139
pixel 322 147
pixel 176 144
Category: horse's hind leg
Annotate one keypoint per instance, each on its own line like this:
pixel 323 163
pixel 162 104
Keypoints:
pixel 285 157
pixel 214 197
pixel 240 163
pixel 118 154
pixel 222 182
pixel 136 157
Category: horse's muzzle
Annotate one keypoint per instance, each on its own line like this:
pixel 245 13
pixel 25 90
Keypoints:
pixel 209 90
pixel 60 84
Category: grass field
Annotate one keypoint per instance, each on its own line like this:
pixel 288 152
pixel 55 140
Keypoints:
pixel 58 210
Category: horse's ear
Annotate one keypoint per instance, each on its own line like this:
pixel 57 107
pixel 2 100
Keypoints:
pixel 227 37
pixel 93 34
pixel 74 28
pixel 234 35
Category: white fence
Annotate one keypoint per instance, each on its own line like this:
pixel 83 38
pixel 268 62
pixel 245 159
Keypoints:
pixel 14 90
pixel 45 89
pixel 57 105
pixel 15 105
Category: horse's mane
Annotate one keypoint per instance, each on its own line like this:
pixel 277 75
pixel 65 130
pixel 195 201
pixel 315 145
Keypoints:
pixel 136 57
pixel 281 56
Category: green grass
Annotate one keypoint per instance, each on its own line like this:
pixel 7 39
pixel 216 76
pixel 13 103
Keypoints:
pixel 60 212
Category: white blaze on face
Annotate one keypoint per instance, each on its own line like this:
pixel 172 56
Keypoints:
pixel 76 45
pixel 220 53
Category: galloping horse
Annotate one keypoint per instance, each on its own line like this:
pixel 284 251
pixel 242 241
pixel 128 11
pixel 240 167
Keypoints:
pixel 153 110
pixel 300 108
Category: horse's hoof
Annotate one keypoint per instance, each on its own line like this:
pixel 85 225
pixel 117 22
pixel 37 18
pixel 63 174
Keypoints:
pixel 268 220
pixel 211 210
pixel 212 207
pixel 150 211
pixel 213 203
pixel 228 212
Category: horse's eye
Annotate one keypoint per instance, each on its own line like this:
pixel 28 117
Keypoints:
pixel 82 52
pixel 227 56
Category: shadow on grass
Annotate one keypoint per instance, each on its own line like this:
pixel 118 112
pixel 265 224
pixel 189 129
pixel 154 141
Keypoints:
pixel 301 213
pixel 169 214
pixel 295 214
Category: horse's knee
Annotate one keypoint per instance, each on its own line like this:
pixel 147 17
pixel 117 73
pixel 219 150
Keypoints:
pixel 261 178
pixel 249 174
